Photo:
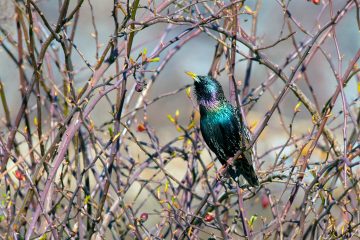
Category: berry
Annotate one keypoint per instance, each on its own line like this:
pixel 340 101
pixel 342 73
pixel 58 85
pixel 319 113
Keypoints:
pixel 141 127
pixel 144 217
pixel 209 217
pixel 264 201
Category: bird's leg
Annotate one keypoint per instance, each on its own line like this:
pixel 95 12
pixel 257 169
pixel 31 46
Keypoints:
pixel 220 174
pixel 224 178
pixel 226 183
pixel 253 190
pixel 244 185
pixel 230 185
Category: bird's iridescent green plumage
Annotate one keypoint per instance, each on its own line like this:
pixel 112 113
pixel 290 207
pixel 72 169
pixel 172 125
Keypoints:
pixel 222 128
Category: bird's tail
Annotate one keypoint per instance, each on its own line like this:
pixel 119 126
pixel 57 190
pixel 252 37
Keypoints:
pixel 245 168
pixel 250 175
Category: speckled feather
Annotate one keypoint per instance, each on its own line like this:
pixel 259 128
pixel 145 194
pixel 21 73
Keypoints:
pixel 222 129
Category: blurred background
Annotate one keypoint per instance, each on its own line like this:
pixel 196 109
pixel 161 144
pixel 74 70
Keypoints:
pixel 197 54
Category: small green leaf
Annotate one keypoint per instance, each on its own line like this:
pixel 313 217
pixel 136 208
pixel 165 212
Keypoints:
pixel 171 119
pixel 36 121
pixel 157 59
pixel 87 199
pixel 252 220
pixel 296 109
pixel 111 132
pixel 43 237
pixel 166 187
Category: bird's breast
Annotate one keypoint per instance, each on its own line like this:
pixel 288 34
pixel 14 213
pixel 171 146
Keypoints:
pixel 217 113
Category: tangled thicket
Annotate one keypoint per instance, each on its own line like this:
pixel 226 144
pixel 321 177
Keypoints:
pixel 85 153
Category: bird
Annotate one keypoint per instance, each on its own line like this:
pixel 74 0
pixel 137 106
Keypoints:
pixel 223 129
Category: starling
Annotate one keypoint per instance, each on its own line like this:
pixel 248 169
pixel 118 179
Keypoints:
pixel 222 128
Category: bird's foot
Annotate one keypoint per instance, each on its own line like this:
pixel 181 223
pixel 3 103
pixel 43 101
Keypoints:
pixel 220 176
pixel 230 185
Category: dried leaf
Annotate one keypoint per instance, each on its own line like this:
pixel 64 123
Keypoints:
pixel 91 125
pixel 191 125
pixel 313 119
pixel 253 125
pixel 132 62
pixel 116 137
pixel 210 165
pixel 158 192
pixel 132 227
pixel 176 205
pixel 190 231
pixel 306 149
pixel 188 92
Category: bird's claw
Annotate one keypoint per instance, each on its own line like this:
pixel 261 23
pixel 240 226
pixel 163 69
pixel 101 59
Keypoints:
pixel 220 173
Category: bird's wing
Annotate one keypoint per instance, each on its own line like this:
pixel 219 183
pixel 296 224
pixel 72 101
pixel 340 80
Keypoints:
pixel 245 138
pixel 225 135
pixel 244 163
pixel 230 130
pixel 212 135
pixel 221 134
pixel 248 153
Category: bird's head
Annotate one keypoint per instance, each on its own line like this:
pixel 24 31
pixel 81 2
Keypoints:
pixel 208 91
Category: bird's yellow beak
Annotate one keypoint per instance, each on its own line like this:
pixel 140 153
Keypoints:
pixel 193 76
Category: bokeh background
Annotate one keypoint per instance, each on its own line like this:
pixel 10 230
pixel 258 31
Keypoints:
pixel 196 56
